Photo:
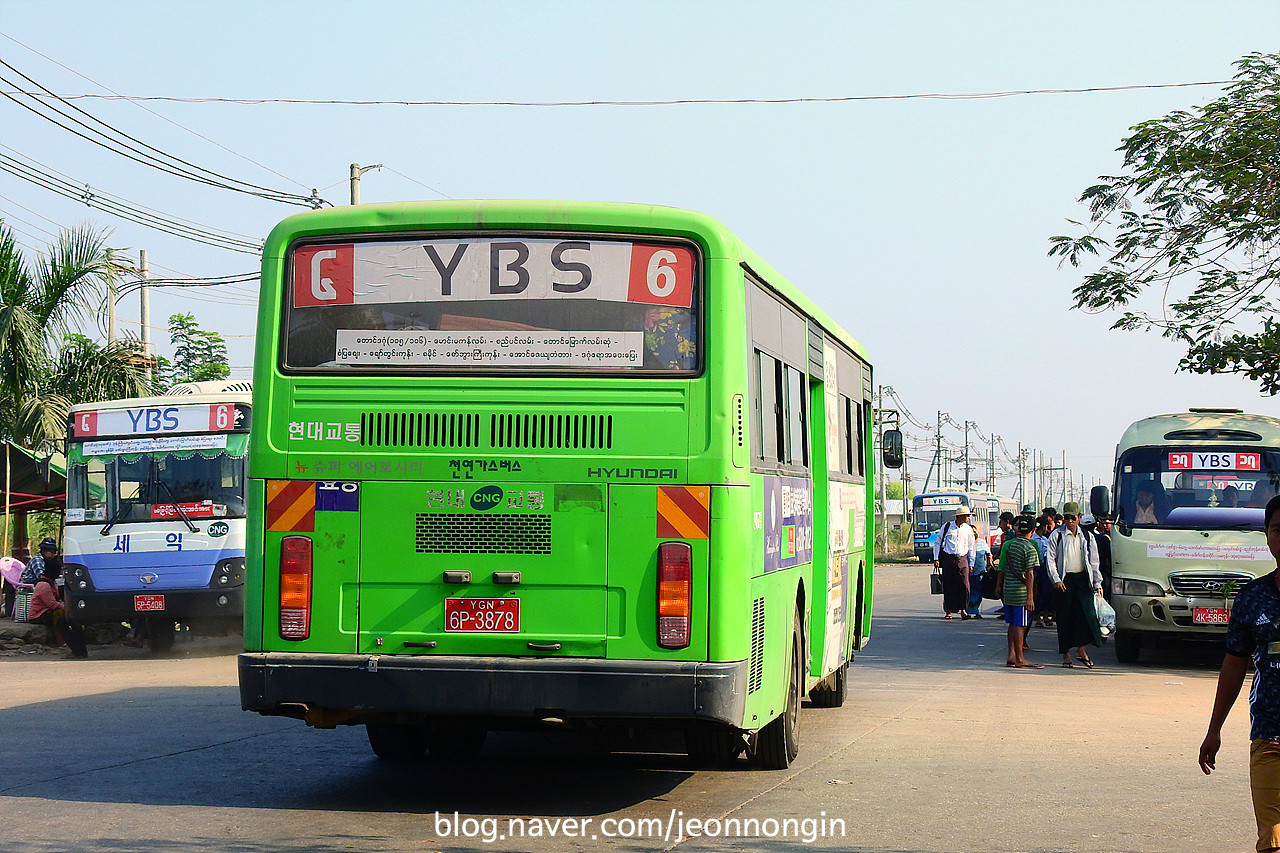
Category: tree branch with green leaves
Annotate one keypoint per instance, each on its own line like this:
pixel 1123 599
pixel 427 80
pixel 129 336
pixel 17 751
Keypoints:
pixel 1195 219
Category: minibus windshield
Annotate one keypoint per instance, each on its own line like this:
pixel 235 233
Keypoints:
pixel 1196 487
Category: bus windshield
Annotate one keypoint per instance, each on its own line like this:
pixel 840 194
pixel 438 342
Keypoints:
pixel 928 520
pixel 148 486
pixel 464 304
pixel 1196 487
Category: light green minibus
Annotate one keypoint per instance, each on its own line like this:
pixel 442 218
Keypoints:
pixel 1190 489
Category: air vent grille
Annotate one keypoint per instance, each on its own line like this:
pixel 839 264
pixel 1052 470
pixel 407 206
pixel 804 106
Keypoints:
pixel 454 533
pixel 1206 584
pixel 576 432
pixel 755 671
pixel 432 429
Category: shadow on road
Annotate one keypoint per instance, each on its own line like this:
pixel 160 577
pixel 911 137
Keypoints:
pixel 193 746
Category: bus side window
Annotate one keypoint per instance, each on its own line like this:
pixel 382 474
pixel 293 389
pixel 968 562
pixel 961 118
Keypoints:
pixel 797 423
pixel 769 408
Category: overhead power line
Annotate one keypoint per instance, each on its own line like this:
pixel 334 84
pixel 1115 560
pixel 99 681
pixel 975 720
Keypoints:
pixel 153 112
pixel 639 103
pixel 61 112
pixel 36 173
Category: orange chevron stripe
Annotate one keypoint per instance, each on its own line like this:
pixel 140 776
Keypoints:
pixel 291 506
pixel 684 512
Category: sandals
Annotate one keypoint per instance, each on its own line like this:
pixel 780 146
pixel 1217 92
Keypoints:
pixel 1088 662
pixel 946 616
pixel 1066 664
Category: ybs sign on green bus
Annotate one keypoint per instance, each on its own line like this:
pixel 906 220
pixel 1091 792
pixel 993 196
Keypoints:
pixel 612 469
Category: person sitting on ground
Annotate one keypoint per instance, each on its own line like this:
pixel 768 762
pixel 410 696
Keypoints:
pixel 47 609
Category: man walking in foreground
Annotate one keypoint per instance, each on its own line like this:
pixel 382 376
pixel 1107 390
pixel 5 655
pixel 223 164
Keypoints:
pixel 1018 564
pixel 1254 630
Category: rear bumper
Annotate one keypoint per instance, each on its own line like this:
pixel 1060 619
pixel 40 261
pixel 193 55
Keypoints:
pixel 354 687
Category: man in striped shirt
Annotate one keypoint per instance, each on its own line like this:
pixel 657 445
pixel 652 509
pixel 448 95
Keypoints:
pixel 1018 562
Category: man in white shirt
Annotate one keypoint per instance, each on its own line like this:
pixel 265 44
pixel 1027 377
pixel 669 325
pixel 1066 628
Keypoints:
pixel 1076 577
pixel 953 552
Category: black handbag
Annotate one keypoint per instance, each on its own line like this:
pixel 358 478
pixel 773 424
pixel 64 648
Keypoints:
pixel 935 582
pixel 991 585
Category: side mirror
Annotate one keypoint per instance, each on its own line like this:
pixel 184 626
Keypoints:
pixel 891 448
pixel 1100 501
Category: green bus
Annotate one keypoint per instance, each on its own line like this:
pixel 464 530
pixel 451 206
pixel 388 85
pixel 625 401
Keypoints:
pixel 549 463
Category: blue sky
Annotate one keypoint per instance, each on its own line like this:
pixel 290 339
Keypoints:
pixel 920 224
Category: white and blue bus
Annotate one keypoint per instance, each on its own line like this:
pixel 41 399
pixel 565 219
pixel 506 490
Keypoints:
pixel 154 532
pixel 931 510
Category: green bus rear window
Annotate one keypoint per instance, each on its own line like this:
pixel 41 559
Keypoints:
pixel 492 303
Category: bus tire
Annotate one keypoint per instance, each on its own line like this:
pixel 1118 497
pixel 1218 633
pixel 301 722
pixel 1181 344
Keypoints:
pixel 1127 646
pixel 454 742
pixel 778 743
pixel 395 742
pixel 832 690
pixel 713 747
pixel 159 635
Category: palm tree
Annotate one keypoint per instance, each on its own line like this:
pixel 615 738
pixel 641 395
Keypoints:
pixel 43 372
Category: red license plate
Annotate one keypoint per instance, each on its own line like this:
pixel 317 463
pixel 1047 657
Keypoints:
pixel 482 615
pixel 148 603
pixel 1210 616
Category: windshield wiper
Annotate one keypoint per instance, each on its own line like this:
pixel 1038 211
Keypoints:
pixel 174 504
pixel 126 503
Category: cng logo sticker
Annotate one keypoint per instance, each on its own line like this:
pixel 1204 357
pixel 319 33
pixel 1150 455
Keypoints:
pixel 219 528
pixel 486 498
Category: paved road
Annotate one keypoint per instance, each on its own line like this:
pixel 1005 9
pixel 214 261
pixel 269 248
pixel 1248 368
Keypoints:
pixel 940 748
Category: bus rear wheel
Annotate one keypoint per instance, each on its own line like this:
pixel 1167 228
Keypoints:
pixel 709 746
pixel 395 742
pixel 831 691
pixel 778 743
pixel 454 741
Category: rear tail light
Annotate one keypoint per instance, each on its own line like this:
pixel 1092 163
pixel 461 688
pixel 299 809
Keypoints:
pixel 295 588
pixel 675 572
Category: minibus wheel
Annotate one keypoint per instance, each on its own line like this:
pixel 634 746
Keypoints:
pixel 1127 645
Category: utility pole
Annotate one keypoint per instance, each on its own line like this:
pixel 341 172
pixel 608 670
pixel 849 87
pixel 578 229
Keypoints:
pixel 966 455
pixel 145 298
pixel 356 171
pixel 1022 468
pixel 111 298
pixel 991 462
pixel 937 457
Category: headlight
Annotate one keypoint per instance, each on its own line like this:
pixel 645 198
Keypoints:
pixel 228 573
pixel 1122 586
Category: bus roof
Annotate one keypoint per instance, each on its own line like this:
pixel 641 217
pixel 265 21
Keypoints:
pixel 186 394
pixel 1216 427
pixel 717 240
